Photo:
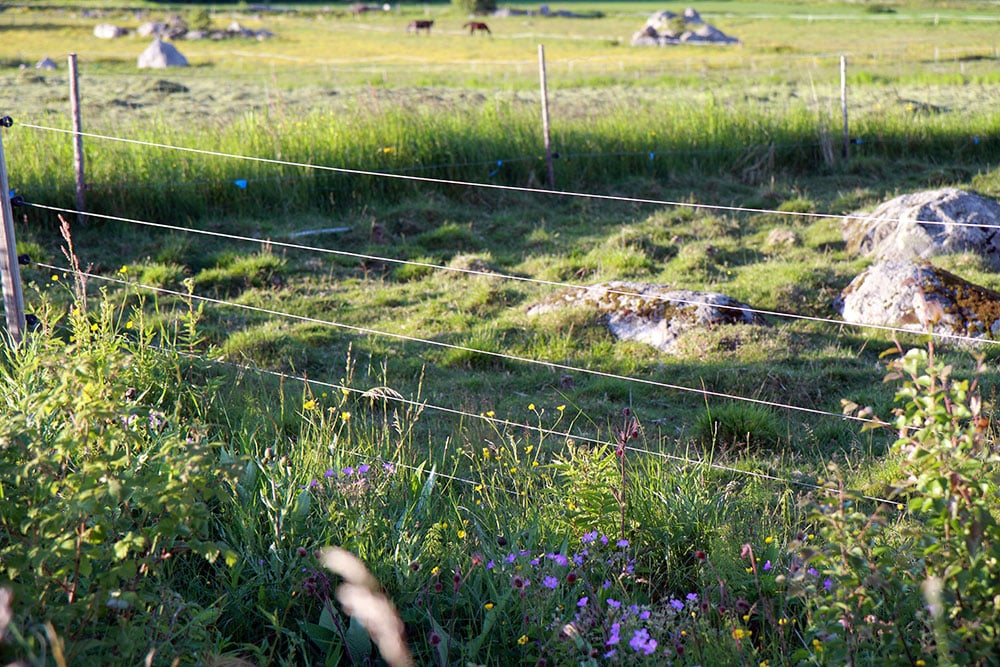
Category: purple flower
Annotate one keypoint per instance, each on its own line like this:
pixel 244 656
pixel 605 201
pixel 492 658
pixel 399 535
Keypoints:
pixel 534 562
pixel 614 637
pixel 604 540
pixel 348 471
pixel 621 543
pixel 641 642
pixel 676 604
pixel 582 602
pixel 812 572
pixel 510 558
pixel 828 584
pixel 550 582
pixel 589 537
pixel 606 585
pixel 560 560
pixel 389 467
pixel 363 468
pixel 692 597
pixel 767 566
pixel 578 559
pixel 330 473
pixel 644 615
pixel 611 653
pixel 613 603
pixel 489 565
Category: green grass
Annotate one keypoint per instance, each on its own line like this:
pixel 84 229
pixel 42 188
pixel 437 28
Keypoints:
pixel 673 133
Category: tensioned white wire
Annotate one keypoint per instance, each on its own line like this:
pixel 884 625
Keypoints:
pixel 538 429
pixel 511 277
pixel 452 346
pixel 491 186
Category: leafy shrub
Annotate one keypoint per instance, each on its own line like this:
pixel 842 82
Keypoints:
pixel 907 588
pixel 105 491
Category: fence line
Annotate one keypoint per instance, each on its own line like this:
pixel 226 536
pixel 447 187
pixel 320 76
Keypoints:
pixel 515 278
pixel 496 186
pixel 451 346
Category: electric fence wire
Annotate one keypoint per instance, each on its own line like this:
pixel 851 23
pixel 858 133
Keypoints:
pixel 525 279
pixel 451 346
pixel 495 421
pixel 500 187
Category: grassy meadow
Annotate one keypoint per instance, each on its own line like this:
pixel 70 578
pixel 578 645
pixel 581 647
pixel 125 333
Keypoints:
pixel 296 317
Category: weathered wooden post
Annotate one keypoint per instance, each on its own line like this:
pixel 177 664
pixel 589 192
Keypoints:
pixel 74 104
pixel 13 298
pixel 545 119
pixel 843 105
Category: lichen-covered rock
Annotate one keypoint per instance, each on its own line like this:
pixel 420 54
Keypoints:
pixel 924 224
pixel 653 314
pixel 919 297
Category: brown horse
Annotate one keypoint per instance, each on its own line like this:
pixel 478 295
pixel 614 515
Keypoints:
pixel 417 26
pixel 473 26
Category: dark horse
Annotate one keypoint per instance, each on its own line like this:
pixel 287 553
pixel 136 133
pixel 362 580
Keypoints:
pixel 473 26
pixel 417 26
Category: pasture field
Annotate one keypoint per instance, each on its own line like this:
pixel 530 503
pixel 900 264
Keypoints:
pixel 343 356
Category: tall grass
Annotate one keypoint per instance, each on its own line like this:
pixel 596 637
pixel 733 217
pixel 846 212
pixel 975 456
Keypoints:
pixel 495 143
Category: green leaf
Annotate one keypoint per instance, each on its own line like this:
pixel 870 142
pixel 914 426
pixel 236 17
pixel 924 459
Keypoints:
pixel 359 644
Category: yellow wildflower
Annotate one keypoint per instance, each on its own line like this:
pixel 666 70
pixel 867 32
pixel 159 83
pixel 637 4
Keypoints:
pixel 522 640
pixel 740 633
pixel 488 606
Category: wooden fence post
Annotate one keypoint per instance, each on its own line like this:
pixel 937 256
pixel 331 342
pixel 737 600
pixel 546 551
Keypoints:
pixel 74 103
pixel 843 105
pixel 13 297
pixel 545 120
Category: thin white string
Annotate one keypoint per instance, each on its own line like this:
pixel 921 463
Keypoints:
pixel 496 421
pixel 496 186
pixel 451 346
pixel 525 279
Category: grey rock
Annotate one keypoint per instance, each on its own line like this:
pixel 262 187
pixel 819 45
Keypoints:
pixel 922 225
pixel 159 55
pixel 917 296
pixel 108 31
pixel 653 314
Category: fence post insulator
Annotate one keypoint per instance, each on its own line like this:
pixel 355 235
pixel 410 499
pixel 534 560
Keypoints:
pixel 24 260
pixel 17 200
pixel 6 121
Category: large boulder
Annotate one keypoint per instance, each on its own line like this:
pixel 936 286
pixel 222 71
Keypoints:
pixel 665 27
pixel 159 55
pixel 919 297
pixel 653 314
pixel 924 224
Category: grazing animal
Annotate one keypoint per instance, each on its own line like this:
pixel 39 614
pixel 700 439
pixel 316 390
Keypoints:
pixel 473 26
pixel 417 26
